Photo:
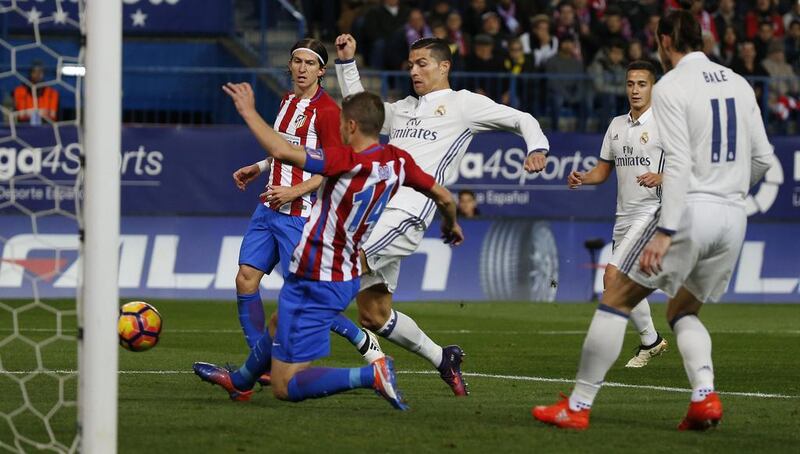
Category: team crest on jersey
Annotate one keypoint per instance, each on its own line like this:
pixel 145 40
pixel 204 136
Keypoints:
pixel 440 111
pixel 644 138
pixel 299 121
pixel 384 172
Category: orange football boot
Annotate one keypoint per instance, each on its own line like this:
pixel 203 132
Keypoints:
pixel 703 415
pixel 561 416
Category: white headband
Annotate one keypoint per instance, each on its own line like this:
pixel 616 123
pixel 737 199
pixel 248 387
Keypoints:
pixel 321 60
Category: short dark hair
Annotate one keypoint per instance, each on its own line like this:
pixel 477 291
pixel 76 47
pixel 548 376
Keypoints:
pixel 315 45
pixel 440 49
pixel 366 109
pixel 642 65
pixel 683 28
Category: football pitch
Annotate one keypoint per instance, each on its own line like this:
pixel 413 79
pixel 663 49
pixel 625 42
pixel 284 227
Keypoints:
pixel 518 355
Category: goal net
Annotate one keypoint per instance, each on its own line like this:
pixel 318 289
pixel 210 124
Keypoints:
pixel 40 223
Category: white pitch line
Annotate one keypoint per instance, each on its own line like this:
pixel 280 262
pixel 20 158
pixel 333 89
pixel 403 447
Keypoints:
pixel 445 331
pixel 466 374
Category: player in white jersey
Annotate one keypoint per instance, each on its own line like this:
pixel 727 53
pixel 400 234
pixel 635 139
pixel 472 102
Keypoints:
pixel 632 145
pixel 436 129
pixel 716 149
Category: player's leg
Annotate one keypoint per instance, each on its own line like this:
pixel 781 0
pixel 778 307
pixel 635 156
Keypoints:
pixel 288 230
pixel 257 255
pixel 306 310
pixel 626 231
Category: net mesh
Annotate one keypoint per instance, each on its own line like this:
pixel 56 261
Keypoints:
pixel 40 180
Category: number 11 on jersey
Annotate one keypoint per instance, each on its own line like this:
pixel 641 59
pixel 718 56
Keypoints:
pixel 716 131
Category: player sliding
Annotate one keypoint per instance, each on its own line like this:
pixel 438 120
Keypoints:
pixel 436 129
pixel 716 149
pixel 308 116
pixel 325 267
pixel 633 146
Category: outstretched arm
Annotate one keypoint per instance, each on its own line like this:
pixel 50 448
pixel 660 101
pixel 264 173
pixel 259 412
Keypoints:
pixel 275 145
pixel 599 174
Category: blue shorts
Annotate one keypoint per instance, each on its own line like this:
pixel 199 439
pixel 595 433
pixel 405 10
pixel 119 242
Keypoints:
pixel 306 310
pixel 270 238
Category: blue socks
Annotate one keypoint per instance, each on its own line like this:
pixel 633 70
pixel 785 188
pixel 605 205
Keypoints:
pixel 251 317
pixel 346 328
pixel 323 381
pixel 257 363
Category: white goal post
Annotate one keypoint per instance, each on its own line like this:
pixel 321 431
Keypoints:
pixel 98 349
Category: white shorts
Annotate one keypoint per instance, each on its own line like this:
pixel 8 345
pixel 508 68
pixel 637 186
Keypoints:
pixel 702 254
pixel 626 231
pixel 396 236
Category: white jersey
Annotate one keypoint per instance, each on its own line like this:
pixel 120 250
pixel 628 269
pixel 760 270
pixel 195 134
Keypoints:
pixel 634 148
pixel 436 130
pixel 712 133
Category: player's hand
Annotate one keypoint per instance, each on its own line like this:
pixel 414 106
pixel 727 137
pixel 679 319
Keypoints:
pixel 243 176
pixel 575 179
pixel 345 47
pixel 653 254
pixel 277 196
pixel 535 162
pixel 242 96
pixel 452 234
pixel 649 179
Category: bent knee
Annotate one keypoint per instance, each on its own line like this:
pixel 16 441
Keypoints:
pixel 280 391
pixel 248 279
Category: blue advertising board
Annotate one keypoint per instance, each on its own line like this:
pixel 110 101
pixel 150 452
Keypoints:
pixel 501 260
pixel 187 171
pixel 138 16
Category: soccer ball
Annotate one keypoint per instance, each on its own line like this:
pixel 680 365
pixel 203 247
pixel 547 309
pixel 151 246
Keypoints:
pixel 139 326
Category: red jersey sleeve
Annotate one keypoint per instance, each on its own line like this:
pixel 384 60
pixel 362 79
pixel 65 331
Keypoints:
pixel 416 178
pixel 327 126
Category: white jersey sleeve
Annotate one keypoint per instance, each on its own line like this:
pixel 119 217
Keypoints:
pixel 761 160
pixel 483 114
pixel 606 152
pixel 350 84
pixel 674 130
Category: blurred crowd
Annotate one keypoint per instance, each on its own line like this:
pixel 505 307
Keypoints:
pixel 593 38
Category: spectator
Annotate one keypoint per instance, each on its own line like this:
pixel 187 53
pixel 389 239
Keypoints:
pixel 507 10
pixel 569 89
pixel 748 66
pixel 729 47
pixel 415 28
pixel 766 33
pixel 539 42
pixel 613 28
pixel 649 37
pixel 493 28
pixel 34 102
pixel 726 18
pixel 710 47
pixel 439 30
pixel 322 14
pixel 440 11
pixel 566 27
pixel 608 75
pixel 457 35
pixel 793 45
pixel 518 63
pixel 584 17
pixel 636 53
pixel 707 24
pixel 763 12
pixel 792 15
pixel 473 17
pixel 784 86
pixel 484 59
pixel 467 204
pixel 379 26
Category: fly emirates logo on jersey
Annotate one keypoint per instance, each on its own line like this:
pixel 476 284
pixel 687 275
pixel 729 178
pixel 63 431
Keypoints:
pixel 414 130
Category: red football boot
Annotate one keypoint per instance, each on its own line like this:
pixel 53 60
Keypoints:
pixel 561 416
pixel 703 415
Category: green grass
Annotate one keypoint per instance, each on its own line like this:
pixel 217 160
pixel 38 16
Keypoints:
pixel 754 351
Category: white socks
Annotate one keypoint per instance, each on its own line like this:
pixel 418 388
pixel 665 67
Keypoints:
pixel 601 348
pixel 641 319
pixel 694 344
pixel 403 331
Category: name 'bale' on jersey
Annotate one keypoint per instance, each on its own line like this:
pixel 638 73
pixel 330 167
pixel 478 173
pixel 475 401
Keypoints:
pixel 712 133
pixel 357 188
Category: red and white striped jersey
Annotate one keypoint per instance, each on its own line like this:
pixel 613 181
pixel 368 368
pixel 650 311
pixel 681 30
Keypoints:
pixel 353 195
pixel 311 122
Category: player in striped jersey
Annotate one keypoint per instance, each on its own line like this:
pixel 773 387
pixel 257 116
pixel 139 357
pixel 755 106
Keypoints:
pixel 326 267
pixel 632 145
pixel 716 150
pixel 436 128
pixel 308 116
